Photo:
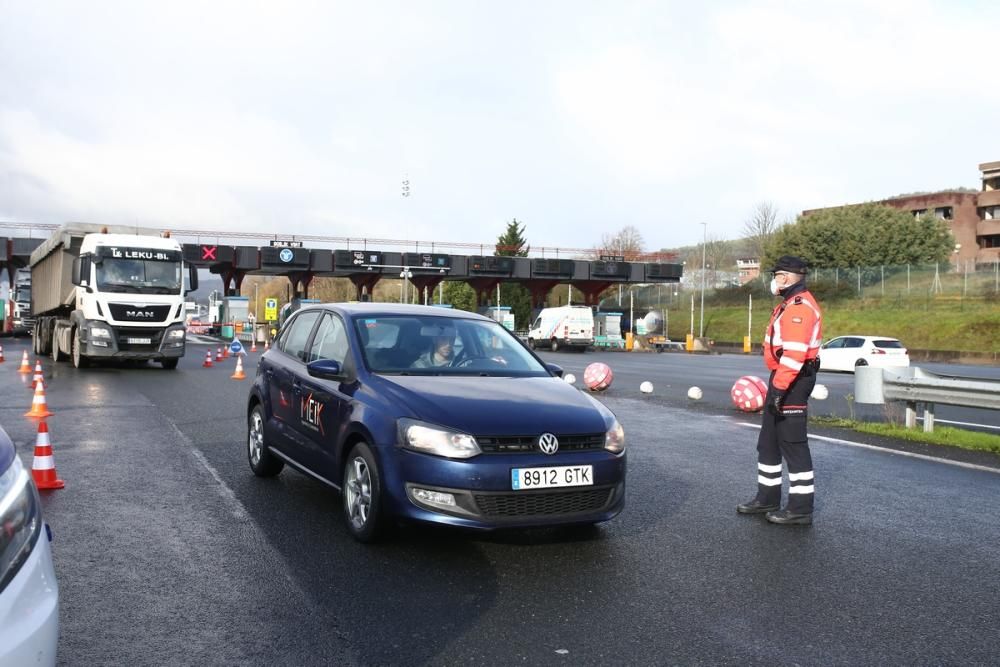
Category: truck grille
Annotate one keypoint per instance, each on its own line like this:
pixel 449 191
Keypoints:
pixel 547 503
pixel 512 444
pixel 127 312
pixel 154 336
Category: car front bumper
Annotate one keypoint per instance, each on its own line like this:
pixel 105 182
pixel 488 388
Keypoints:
pixel 484 499
pixel 29 611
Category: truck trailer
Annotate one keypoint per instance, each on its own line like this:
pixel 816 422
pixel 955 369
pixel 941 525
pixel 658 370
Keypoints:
pixel 100 292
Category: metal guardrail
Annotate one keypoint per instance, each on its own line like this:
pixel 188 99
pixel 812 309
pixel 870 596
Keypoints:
pixel 915 385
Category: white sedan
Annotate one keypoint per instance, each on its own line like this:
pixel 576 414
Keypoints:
pixel 845 353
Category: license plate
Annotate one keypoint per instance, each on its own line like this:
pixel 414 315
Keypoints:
pixel 139 341
pixel 522 479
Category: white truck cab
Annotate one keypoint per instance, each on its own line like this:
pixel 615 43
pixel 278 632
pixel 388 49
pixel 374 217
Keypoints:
pixel 563 326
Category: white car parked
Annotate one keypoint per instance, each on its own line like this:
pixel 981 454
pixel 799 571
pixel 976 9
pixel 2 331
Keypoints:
pixel 845 353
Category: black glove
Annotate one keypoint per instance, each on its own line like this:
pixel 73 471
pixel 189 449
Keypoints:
pixel 776 401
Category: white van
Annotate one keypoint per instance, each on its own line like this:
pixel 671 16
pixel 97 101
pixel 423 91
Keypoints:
pixel 565 326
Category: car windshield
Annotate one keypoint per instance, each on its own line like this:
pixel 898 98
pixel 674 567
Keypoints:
pixel 435 345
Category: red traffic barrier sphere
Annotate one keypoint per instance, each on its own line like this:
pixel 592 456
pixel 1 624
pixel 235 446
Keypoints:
pixel 597 376
pixel 748 393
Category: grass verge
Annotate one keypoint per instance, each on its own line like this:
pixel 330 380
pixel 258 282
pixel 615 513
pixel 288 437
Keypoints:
pixel 941 435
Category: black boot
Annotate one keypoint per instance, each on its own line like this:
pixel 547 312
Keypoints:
pixel 786 518
pixel 755 506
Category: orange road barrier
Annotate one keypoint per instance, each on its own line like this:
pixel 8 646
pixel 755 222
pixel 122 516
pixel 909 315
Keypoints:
pixel 43 468
pixel 239 374
pixel 37 378
pixel 25 364
pixel 39 408
pixel 208 359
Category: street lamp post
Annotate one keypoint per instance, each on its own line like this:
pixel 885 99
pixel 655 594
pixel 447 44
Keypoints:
pixel 704 239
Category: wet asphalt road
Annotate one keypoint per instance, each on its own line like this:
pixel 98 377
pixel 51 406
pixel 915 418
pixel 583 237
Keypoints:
pixel 169 551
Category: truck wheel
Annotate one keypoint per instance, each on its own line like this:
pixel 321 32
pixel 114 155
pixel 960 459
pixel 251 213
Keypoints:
pixel 79 361
pixel 57 354
pixel 36 335
pixel 555 345
pixel 531 343
pixel 169 364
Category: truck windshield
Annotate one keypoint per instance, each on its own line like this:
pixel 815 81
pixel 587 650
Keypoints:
pixel 143 276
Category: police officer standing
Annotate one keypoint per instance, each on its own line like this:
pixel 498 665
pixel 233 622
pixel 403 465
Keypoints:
pixel 791 352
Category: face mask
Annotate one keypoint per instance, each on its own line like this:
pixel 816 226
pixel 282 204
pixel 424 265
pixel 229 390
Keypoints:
pixel 775 290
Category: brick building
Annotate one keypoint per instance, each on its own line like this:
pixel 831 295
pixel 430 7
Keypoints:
pixel 974 217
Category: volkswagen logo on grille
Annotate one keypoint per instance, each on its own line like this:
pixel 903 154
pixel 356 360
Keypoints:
pixel 548 443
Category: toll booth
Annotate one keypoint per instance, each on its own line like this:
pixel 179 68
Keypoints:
pixel 608 330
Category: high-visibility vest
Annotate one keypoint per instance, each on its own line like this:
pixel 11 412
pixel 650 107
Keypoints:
pixel 793 337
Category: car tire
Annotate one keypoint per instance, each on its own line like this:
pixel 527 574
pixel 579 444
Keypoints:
pixel 555 345
pixel 860 362
pixel 531 343
pixel 79 361
pixel 362 494
pixel 169 364
pixel 263 463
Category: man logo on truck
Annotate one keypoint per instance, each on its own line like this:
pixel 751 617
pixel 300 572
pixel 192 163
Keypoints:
pixel 138 314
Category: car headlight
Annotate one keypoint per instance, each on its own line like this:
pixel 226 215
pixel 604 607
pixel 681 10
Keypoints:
pixel 614 439
pixel 431 439
pixel 100 332
pixel 176 333
pixel 20 520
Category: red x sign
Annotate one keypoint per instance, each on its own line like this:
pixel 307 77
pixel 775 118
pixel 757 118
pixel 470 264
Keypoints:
pixel 208 251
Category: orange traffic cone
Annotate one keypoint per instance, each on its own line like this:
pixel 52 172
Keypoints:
pixel 253 348
pixel 1 355
pixel 218 354
pixel 43 468
pixel 39 408
pixel 267 345
pixel 225 351
pixel 37 378
pixel 208 359
pixel 239 374
pixel 25 364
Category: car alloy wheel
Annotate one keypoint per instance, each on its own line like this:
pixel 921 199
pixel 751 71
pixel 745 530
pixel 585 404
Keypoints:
pixel 358 493
pixel 255 438
pixel 263 462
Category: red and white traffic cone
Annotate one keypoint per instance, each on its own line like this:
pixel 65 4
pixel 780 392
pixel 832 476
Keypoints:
pixel 218 354
pixel 208 359
pixel 39 408
pixel 225 351
pixel 267 345
pixel 253 348
pixel 239 374
pixel 25 364
pixel 43 467
pixel 37 378
pixel 1 355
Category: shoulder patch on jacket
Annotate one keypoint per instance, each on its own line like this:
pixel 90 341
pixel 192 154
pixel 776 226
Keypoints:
pixel 798 300
pixel 797 320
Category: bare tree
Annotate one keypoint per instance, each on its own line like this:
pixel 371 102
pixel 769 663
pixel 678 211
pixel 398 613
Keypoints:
pixel 626 242
pixel 760 227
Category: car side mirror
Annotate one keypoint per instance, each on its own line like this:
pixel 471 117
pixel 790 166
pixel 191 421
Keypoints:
pixel 326 369
pixel 555 369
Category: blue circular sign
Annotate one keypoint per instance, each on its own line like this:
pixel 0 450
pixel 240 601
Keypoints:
pixel 286 255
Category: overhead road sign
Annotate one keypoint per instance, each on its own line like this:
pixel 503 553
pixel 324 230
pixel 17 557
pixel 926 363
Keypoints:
pixel 432 261
pixel 291 258
pixel 612 258
pixel 552 268
pixel 491 265
pixel 664 272
pixel 361 260
pixel 208 253
pixel 612 270
pixel 285 244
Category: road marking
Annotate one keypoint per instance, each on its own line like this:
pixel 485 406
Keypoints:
pixel 862 445
pixel 235 506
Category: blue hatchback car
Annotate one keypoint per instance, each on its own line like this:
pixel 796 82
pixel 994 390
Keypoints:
pixel 427 414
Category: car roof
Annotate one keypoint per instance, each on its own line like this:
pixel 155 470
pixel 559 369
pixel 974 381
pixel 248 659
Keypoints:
pixel 369 309
pixel 866 336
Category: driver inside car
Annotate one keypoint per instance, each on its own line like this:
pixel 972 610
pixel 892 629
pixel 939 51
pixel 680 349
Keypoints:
pixel 442 353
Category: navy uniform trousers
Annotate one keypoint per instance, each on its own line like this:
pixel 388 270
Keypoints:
pixel 783 437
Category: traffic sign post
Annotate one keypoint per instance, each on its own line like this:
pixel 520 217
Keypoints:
pixel 236 347
pixel 270 310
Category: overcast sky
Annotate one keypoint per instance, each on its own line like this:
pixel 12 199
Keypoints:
pixel 577 118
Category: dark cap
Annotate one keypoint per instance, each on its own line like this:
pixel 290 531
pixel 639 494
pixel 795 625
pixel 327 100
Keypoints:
pixel 791 264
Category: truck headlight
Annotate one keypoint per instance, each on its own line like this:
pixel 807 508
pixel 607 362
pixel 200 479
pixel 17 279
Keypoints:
pixel 431 439
pixel 176 333
pixel 100 332
pixel 614 439
pixel 20 520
